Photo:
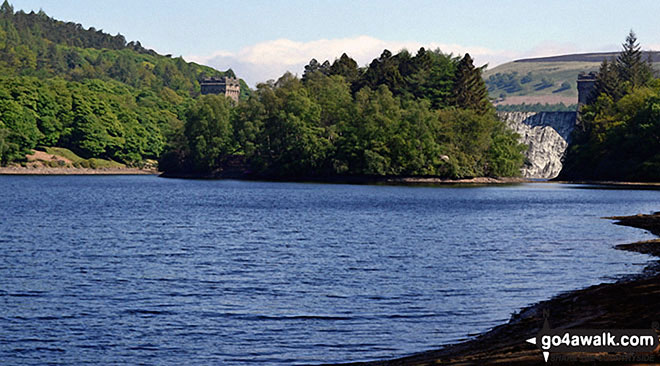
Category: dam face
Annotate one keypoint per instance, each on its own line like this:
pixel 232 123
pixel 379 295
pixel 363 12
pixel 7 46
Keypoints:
pixel 547 134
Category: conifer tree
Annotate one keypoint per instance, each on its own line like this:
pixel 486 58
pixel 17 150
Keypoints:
pixel 470 90
pixel 629 63
pixel 314 66
pixel 608 81
pixel 6 8
pixel 346 67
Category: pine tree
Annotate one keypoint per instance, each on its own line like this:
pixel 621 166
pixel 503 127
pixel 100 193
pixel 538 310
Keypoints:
pixel 313 67
pixel 629 63
pixel 384 71
pixel 470 90
pixel 346 67
pixel 6 8
pixel 608 81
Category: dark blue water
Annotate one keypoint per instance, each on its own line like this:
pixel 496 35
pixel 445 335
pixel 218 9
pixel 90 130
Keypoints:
pixel 144 270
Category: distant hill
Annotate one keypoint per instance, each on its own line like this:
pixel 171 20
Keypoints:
pixel 543 80
pixel 588 57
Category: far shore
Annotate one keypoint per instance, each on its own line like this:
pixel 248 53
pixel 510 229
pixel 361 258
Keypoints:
pixel 43 170
pixel 350 179
pixel 629 303
pixel 406 180
pixel 356 179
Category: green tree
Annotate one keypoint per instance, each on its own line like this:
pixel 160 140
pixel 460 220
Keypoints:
pixel 470 91
pixel 208 132
pixel 608 82
pixel 346 67
pixel 293 142
pixel 433 78
pixel 20 128
pixel 333 95
pixel 315 67
pixel 367 140
pixel 630 66
pixel 384 71
pixel 6 9
pixel 505 155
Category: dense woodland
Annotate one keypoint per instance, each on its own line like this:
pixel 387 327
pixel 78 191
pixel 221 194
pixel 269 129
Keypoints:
pixel 422 114
pixel 63 85
pixel 618 134
pixel 101 97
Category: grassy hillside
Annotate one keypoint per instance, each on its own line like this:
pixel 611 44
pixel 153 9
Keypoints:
pixel 544 80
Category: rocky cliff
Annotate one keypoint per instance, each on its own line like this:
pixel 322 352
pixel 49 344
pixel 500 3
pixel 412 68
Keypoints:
pixel 547 134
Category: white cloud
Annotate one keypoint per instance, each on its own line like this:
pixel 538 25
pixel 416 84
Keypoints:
pixel 271 59
pixel 651 47
pixel 550 48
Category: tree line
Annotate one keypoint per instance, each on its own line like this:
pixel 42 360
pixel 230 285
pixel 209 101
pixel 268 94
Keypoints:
pixel 618 133
pixel 94 118
pixel 426 114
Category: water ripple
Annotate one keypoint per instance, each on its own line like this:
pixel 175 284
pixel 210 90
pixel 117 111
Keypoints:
pixel 142 270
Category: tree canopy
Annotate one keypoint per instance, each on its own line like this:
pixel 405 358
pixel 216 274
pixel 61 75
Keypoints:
pixel 402 115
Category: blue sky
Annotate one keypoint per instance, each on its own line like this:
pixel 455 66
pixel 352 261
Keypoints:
pixel 262 39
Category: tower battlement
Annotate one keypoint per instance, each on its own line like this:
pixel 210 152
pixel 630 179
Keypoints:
pixel 585 85
pixel 227 86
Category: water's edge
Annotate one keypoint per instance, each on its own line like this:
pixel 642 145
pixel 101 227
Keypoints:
pixel 578 309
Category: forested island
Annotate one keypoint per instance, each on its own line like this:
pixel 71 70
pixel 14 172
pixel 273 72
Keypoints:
pixel 403 115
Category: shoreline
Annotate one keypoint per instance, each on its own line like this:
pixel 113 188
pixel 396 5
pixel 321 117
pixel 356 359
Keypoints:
pixel 353 179
pixel 629 303
pixel 18 170
pixel 356 179
pixel 407 180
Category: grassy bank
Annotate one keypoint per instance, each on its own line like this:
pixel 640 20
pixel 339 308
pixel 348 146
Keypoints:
pixel 61 161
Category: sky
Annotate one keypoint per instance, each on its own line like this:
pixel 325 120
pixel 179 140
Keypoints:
pixel 261 40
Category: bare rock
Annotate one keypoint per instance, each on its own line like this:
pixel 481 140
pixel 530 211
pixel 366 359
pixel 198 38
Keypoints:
pixel 547 134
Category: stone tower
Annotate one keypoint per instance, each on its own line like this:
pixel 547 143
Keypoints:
pixel 227 86
pixel 585 85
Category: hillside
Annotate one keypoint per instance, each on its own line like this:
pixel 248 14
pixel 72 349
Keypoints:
pixel 543 80
pixel 62 85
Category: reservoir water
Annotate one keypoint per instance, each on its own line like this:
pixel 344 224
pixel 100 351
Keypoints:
pixel 146 270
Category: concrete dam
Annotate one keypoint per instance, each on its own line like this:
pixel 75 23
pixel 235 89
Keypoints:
pixel 547 134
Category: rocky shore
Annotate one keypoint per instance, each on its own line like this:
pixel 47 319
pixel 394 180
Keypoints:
pixel 632 302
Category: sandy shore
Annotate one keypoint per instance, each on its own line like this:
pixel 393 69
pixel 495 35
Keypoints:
pixel 17 170
pixel 632 302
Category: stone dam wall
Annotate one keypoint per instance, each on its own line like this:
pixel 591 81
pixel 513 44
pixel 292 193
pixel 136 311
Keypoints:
pixel 547 134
